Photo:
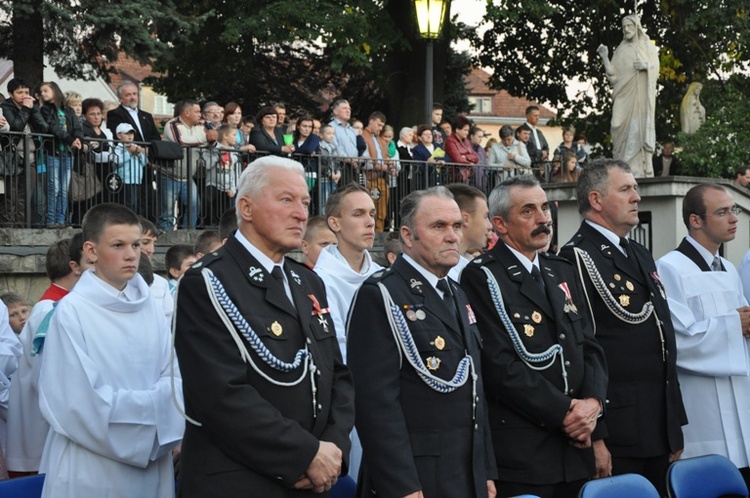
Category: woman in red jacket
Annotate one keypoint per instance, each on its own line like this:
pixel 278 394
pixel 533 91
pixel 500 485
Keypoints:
pixel 459 150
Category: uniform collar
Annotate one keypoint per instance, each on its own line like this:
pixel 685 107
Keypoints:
pixel 609 235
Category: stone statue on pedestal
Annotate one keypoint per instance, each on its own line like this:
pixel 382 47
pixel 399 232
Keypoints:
pixel 692 112
pixel 633 72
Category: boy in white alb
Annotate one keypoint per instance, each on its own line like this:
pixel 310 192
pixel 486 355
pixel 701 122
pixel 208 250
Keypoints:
pixel 105 383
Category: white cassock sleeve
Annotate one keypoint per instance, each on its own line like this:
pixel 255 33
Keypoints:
pixel 704 313
pixel 122 412
pixel 10 353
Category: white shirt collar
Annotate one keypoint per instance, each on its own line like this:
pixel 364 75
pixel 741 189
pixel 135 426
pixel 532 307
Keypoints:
pixel 366 262
pixel 609 235
pixel 431 278
pixel 129 294
pixel 705 253
pixel 526 262
pixel 266 262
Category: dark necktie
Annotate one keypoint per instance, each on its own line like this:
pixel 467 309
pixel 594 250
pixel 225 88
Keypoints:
pixel 625 244
pixel 443 286
pixel 278 274
pixel 537 276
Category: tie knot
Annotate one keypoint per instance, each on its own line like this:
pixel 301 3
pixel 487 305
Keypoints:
pixel 277 273
pixel 535 272
pixel 716 265
pixel 624 242
pixel 443 286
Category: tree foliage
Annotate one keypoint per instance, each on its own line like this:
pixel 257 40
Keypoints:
pixel 537 47
pixel 720 146
pixel 82 38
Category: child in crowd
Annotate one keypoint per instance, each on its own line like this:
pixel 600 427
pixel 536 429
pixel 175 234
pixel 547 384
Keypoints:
pixel 223 169
pixel 18 310
pixel 208 241
pixel 178 259
pixel 160 290
pixel 105 385
pixel 317 237
pixel 27 429
pixel 330 165
pixel 130 161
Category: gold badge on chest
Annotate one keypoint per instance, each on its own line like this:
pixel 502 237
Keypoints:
pixel 439 343
pixel 276 329
pixel 433 363
pixel 537 317
pixel 624 300
pixel 528 329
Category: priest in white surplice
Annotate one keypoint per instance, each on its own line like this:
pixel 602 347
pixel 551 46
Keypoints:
pixel 104 385
pixel 712 324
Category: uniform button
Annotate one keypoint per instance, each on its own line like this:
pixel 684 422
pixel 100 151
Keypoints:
pixel 652 294
pixel 318 372
pixel 476 427
pixel 279 478
pixel 567 363
pixel 477 399
pixel 562 337
pixel 666 352
pixel 320 407
pixel 309 341
pixel 502 421
pixel 667 383
pixel 570 392
pixel 606 401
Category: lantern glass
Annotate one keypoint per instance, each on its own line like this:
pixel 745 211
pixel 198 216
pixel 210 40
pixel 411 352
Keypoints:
pixel 430 15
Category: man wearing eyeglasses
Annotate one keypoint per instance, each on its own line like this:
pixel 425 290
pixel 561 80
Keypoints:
pixel 642 430
pixel 712 323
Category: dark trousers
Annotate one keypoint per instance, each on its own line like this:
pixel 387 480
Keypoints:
pixel 560 490
pixel 654 469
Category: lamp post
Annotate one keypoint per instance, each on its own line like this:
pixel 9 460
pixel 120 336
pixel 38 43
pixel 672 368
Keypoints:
pixel 430 15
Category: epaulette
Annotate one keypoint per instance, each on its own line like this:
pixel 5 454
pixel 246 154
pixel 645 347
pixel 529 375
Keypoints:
pixel 554 257
pixel 207 260
pixel 577 239
pixel 482 259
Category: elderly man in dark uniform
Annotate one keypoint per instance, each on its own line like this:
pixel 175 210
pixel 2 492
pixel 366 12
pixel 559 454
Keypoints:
pixel 642 432
pixel 268 398
pixel 545 374
pixel 414 351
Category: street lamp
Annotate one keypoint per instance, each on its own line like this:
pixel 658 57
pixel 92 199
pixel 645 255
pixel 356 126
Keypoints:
pixel 430 15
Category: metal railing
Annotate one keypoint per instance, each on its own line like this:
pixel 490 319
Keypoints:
pixel 43 183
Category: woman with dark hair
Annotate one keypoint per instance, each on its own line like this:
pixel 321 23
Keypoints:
pixel 68 139
pixel 433 166
pixel 233 116
pixel 306 144
pixel 98 147
pixel 459 150
pixel 266 137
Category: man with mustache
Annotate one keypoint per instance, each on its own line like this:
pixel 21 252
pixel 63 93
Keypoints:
pixel 642 432
pixel 544 373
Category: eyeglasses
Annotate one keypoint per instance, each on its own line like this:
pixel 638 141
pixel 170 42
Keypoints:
pixel 722 213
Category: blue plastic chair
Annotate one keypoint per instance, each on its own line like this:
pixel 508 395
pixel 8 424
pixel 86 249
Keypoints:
pixel 22 487
pixel 345 487
pixel 707 476
pixel 622 486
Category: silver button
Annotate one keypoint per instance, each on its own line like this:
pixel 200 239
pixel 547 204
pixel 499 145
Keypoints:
pixel 309 341
pixel 320 407
pixel 567 363
pixel 562 337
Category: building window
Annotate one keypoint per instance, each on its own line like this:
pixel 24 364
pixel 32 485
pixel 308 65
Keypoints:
pixel 162 106
pixel 482 105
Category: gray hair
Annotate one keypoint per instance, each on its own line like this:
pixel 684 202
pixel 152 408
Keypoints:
pixel 499 201
pixel 404 131
pixel 208 104
pixel 338 103
pixel 410 204
pixel 594 178
pixel 124 84
pixel 506 131
pixel 257 174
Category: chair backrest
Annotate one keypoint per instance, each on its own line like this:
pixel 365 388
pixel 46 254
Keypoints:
pixel 622 486
pixel 23 487
pixel 707 476
pixel 345 487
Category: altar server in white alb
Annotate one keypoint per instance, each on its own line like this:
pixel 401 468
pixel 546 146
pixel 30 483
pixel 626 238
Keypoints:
pixel 104 385
pixel 712 324
pixel 10 353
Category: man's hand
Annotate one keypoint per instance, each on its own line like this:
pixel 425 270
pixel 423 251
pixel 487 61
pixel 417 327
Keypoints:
pixel 745 320
pixel 3 121
pixel 603 459
pixel 491 491
pixel 325 467
pixel 29 101
pixel 76 144
pixel 673 457
pixel 580 421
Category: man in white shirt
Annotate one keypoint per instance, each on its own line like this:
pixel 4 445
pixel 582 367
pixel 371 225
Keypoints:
pixel 712 322
pixel 475 213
